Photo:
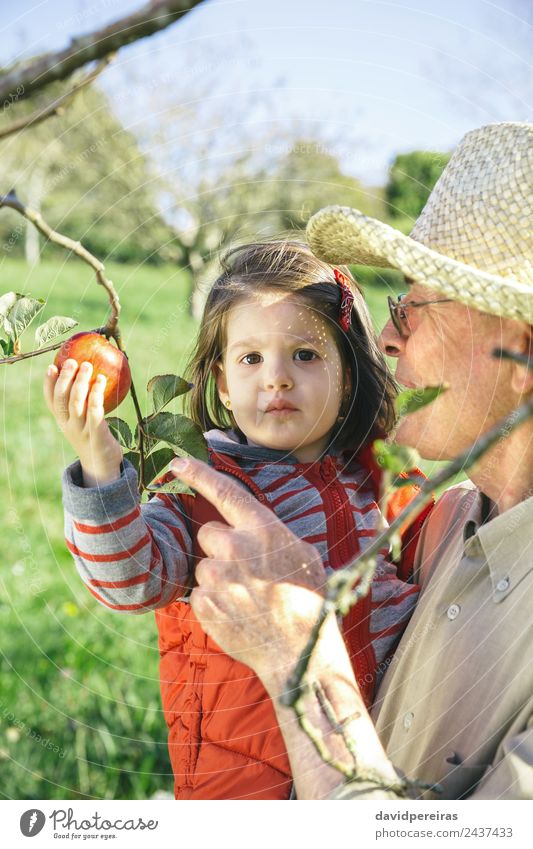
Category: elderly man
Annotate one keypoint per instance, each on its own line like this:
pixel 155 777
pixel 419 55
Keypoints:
pixel 455 706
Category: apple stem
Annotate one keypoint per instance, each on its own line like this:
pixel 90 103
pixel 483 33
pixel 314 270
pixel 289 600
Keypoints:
pixel 142 434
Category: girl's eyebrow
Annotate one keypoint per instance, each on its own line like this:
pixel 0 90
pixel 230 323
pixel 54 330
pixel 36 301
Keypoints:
pixel 299 338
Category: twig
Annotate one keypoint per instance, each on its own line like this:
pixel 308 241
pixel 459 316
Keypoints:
pixel 55 107
pixel 111 328
pixel 38 72
pixel 16 357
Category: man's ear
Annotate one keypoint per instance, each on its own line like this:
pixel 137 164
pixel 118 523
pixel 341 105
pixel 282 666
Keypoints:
pixel 221 382
pixel 522 375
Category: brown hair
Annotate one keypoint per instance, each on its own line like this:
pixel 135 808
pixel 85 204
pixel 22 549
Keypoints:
pixel 289 266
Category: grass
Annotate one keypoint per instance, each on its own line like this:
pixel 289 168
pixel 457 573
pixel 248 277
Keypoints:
pixel 80 713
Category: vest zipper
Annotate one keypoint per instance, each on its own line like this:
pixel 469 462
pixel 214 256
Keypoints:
pixel 340 555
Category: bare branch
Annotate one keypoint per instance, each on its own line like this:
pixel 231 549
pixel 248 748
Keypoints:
pixel 38 73
pixel 111 329
pixel 55 107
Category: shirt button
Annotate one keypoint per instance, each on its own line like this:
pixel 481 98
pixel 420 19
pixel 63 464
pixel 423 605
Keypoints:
pixel 408 720
pixel 503 585
pixel 453 611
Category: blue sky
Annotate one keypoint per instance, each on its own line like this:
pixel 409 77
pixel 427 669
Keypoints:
pixel 371 78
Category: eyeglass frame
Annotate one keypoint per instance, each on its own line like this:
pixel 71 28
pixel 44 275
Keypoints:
pixel 395 305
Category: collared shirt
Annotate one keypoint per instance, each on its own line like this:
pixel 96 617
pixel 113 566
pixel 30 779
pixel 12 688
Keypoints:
pixel 455 706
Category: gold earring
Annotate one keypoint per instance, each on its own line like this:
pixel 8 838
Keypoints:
pixel 227 403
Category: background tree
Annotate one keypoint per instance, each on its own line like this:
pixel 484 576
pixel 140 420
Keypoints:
pixel 412 177
pixel 88 177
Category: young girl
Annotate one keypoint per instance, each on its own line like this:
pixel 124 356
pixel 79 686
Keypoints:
pixel 291 388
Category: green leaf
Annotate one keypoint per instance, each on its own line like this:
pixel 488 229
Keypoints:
pixel 21 315
pixel 134 457
pixel 173 487
pixel 121 431
pixel 411 400
pixel 155 462
pixel 179 432
pixel 55 326
pixel 8 347
pixel 7 301
pixel 164 387
pixel 394 458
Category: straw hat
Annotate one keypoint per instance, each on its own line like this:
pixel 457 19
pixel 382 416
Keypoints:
pixel 473 240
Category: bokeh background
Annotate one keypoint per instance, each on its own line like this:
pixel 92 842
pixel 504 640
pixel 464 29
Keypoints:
pixel 238 121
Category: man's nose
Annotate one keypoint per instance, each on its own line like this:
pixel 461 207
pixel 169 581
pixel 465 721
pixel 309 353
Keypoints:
pixel 390 341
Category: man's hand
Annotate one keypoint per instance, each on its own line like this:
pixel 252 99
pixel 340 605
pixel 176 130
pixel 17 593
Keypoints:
pixel 260 587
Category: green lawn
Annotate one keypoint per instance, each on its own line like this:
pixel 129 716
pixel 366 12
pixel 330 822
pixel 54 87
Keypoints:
pixel 80 714
pixel 83 679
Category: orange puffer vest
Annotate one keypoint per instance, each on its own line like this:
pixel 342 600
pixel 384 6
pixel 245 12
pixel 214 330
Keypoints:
pixel 224 741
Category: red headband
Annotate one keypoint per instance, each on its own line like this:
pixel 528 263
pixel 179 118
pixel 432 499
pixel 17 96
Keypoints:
pixel 345 313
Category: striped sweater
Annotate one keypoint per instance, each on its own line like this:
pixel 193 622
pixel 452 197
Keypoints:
pixel 138 557
pixel 135 558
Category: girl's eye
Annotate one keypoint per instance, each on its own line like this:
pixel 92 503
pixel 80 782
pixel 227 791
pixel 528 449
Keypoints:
pixel 305 356
pixel 251 359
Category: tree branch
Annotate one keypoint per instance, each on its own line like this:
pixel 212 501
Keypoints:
pixel 111 328
pixel 16 357
pixel 55 107
pixel 38 72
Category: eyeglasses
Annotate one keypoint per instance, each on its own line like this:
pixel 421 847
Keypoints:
pixel 400 315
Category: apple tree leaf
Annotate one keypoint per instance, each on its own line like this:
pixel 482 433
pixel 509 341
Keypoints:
pixel 156 462
pixel 55 326
pixel 21 315
pixel 179 432
pixel 164 387
pixel 134 458
pixel 121 431
pixel 411 400
pixel 7 301
pixel 394 458
pixel 174 486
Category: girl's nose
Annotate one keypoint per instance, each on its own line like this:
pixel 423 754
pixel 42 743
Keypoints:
pixel 390 341
pixel 277 377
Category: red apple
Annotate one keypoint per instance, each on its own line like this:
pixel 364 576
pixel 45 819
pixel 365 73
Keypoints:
pixel 105 359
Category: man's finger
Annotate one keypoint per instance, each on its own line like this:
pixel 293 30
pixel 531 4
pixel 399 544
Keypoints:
pixel 237 506
pixel 215 538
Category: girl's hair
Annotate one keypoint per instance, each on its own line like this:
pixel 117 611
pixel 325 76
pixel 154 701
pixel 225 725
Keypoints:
pixel 289 267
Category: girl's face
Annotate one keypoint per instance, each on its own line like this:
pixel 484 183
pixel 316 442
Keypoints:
pixel 283 375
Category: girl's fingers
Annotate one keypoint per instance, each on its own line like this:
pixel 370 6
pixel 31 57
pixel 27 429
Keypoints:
pixel 49 386
pixel 95 404
pixel 62 391
pixel 79 392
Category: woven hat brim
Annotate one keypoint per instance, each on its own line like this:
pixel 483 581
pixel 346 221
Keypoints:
pixel 341 235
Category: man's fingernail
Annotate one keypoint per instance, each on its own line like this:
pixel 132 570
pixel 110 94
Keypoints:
pixel 179 465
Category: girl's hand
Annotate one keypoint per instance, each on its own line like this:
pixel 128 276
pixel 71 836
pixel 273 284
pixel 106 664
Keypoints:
pixel 79 413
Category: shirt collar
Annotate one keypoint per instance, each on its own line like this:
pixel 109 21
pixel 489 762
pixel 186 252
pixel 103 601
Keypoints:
pixel 505 542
